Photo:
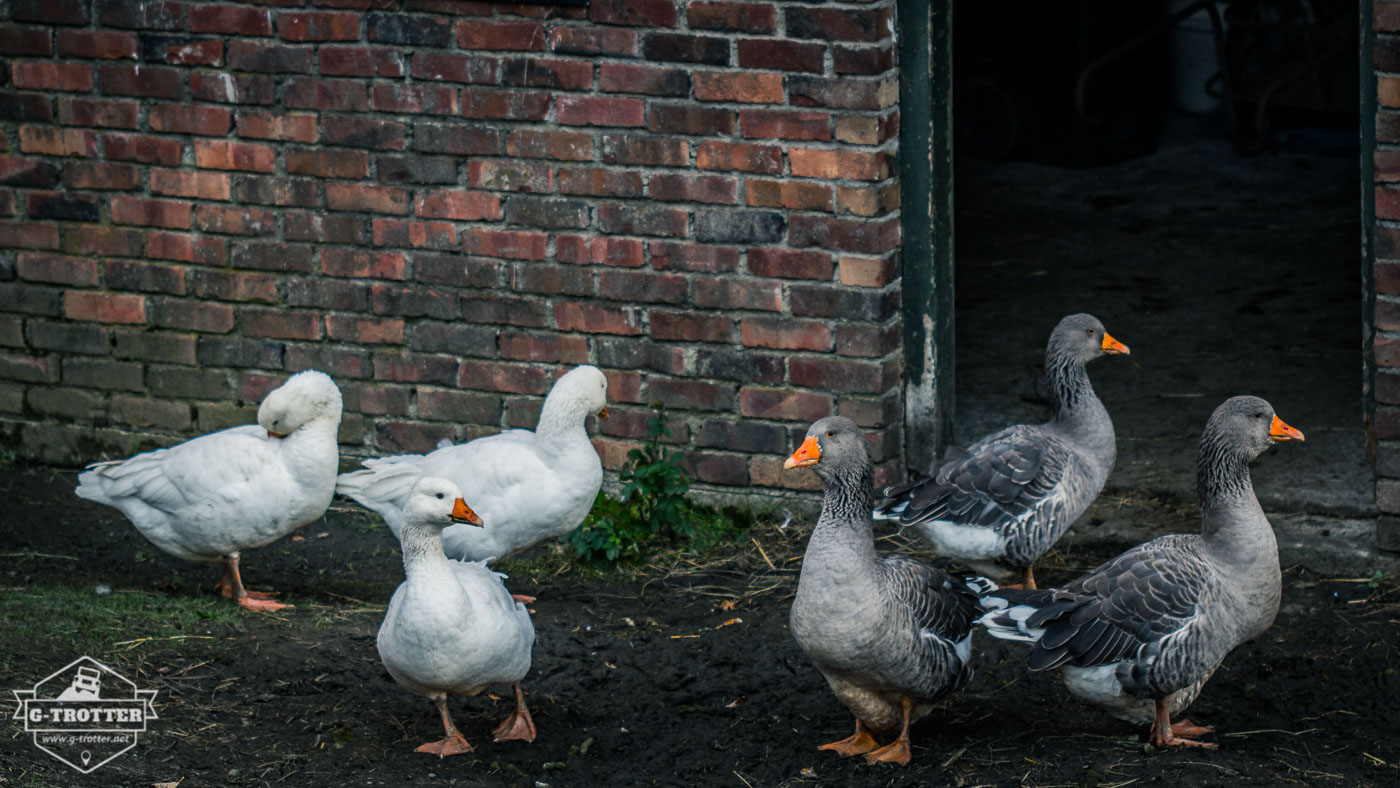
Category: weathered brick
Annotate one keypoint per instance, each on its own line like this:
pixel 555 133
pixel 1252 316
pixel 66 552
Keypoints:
pixel 509 175
pixel 51 141
pixel 21 41
pixel 793 195
pixel 644 286
pixel 421 235
pixel 739 226
pixel 175 214
pixel 607 250
pixel 147 412
pixel 840 24
pixel 67 403
pixel 831 374
pixel 189 383
pixel 233 20
pixel 600 111
pixel 866 129
pixel 750 437
pixel 332 294
pixel 37 75
pixel 187 183
pixel 680 48
pixel 843 92
pixel 457 270
pixel 367 197
pixel 416 169
pixel 398 436
pixel 831 301
pixel 232 88
pixel 152 81
pixel 544 348
pixel 154 346
pixel 766 403
pixel 409 29
pixel 144 275
pixel 735 294
pixel 690 188
pixel 530 211
pixel 102 374
pixel 275 190
pixel 689 119
pixel 428 99
pixel 322 228
pixel 505 243
pixel 645 79
pixel 318 26
pixel 340 95
pixel 57 269
pixel 785 334
pixel 641 354
pixel 28 369
pixel 731 17
pixel 63 206
pixel 104 307
pixel 694 257
pixel 365 330
pixel 836 164
pixel 726 469
pixel 475 35
pixel 749 88
pixel 649 151
pixel 225 155
pixel 147 150
pixel 547 73
pixel 99 112
pixel 719 155
pixel 351 164
pixel 459 407
pixel 359 61
pixel 546 144
pixel 600 182
pixel 689 394
pixel 30 235
pixel 273 256
pixel 781 55
pixel 15 171
pixel 83 338
pixel 592 319
pixel 296 127
pixel 530 312
pixel 867 340
pixel 279 323
pixel 338 362
pixel 643 219
pixel 867 200
pixel 692 327
pixel 867 271
pixel 270 58
pixel 456 338
pixel 360 132
pixel 847 235
pixel 234 220
pixel 180 50
pixel 233 286
pixel 785 124
pixel 458 139
pixel 593 41
pixel 416 368
pixel 92 239
pixel 193 316
pixel 642 13
pixel 101 175
pixel 862 60
pixel 146 14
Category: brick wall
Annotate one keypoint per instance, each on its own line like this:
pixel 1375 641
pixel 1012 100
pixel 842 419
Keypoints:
pixel 1385 273
pixel 443 204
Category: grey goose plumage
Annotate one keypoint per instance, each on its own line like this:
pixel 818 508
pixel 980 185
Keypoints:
pixel 1142 633
pixel 892 635
pixel 1009 498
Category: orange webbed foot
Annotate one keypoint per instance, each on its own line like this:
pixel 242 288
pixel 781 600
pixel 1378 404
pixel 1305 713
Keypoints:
pixel 1189 728
pixel 260 603
pixel 894 752
pixel 517 727
pixel 858 743
pixel 523 599
pixel 452 745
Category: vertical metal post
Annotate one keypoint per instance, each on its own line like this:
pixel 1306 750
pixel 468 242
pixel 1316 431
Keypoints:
pixel 926 185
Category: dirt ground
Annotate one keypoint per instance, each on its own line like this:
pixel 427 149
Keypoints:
pixel 679 673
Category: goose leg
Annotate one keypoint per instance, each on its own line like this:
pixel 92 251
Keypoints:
pixel 857 743
pixel 1027 581
pixel 518 726
pixel 230 586
pixel 896 751
pixel 1164 733
pixel 454 743
pixel 1189 728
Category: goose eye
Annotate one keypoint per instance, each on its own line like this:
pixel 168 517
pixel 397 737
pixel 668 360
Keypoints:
pixel 1259 415
pixel 439 496
pixel 830 434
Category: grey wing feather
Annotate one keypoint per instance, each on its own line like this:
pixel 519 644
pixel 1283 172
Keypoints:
pixel 1124 607
pixel 942 603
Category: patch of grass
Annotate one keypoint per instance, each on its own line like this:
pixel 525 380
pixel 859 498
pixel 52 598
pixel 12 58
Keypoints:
pixel 652 507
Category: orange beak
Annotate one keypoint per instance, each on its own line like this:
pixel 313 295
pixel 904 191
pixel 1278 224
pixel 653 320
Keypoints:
pixel 1113 346
pixel 1280 432
pixel 809 453
pixel 603 414
pixel 463 513
pixel 272 434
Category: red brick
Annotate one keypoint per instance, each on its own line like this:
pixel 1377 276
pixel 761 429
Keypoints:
pixel 57 269
pixel 232 88
pixel 593 41
pixel 233 286
pixel 749 88
pixel 868 271
pixel 186 248
pixel 476 35
pixel 52 76
pixel 690 119
pixel 688 188
pixel 781 55
pixel 354 61
pixel 719 155
pixel 847 235
pixel 793 195
pixel 652 151
pixel 154 81
pixel 325 94
pixel 362 264
pixel 831 374
pixel 190 119
pixel 366 330
pixel 496 376
pixel 606 250
pixel 324 228
pixel 280 323
pixel 152 213
pixel 547 73
pixel 600 111
pixel 505 243
pixel 591 319
pixel 762 403
pixel 223 155
pixel 146 275
pixel 367 197
pixel 104 307
pixel 785 124
pixel 643 286
pixel 785 334
pixel 866 129
pixel 147 150
pixel 15 171
pixel 867 200
pixel 232 220
pixel 276 190
pixel 105 44
pixel 421 235
pixel 544 348
pixel 97 112
pixel 786 264
pixel 464 206
pixel 642 13
pixel 21 41
pixel 270 58
pixel 101 240
pixel 837 164
pixel 841 24
pixel 351 164
pixel 600 182
pixel 731 17
pixel 646 79
pixel 863 60
pixel 180 52
pixel 189 183
pixel 509 175
pixel 30 235
pixel 101 175
pixel 276 126
pixel 691 327
pixel 452 67
pixel 843 92
pixel 52 141
pixel 234 20
pixel 545 144
pixel 318 26
pixel 361 132
pixel 694 257
pixel 643 219
pixel 692 394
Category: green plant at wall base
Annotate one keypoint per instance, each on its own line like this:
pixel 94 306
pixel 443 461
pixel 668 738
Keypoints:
pixel 652 505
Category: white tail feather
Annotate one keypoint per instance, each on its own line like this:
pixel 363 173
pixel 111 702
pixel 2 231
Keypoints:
pixel 1010 623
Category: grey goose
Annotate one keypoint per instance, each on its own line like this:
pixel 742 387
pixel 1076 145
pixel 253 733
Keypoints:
pixel 1141 634
pixel 1010 497
pixel 891 634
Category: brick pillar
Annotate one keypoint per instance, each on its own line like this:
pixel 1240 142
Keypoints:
pixel 1384 277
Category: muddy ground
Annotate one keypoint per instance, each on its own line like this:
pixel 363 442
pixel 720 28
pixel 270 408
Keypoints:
pixel 645 677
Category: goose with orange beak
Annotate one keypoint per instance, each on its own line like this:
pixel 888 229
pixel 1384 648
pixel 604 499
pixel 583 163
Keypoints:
pixel 1143 633
pixel 452 628
pixel 891 634
pixel 1004 503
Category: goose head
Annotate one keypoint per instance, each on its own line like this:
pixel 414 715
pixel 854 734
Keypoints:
pixel 1082 337
pixel 834 446
pixel 305 398
pixel 1246 426
pixel 437 503
pixel 585 388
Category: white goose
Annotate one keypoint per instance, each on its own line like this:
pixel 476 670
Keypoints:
pixel 526 486
pixel 212 497
pixel 452 628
